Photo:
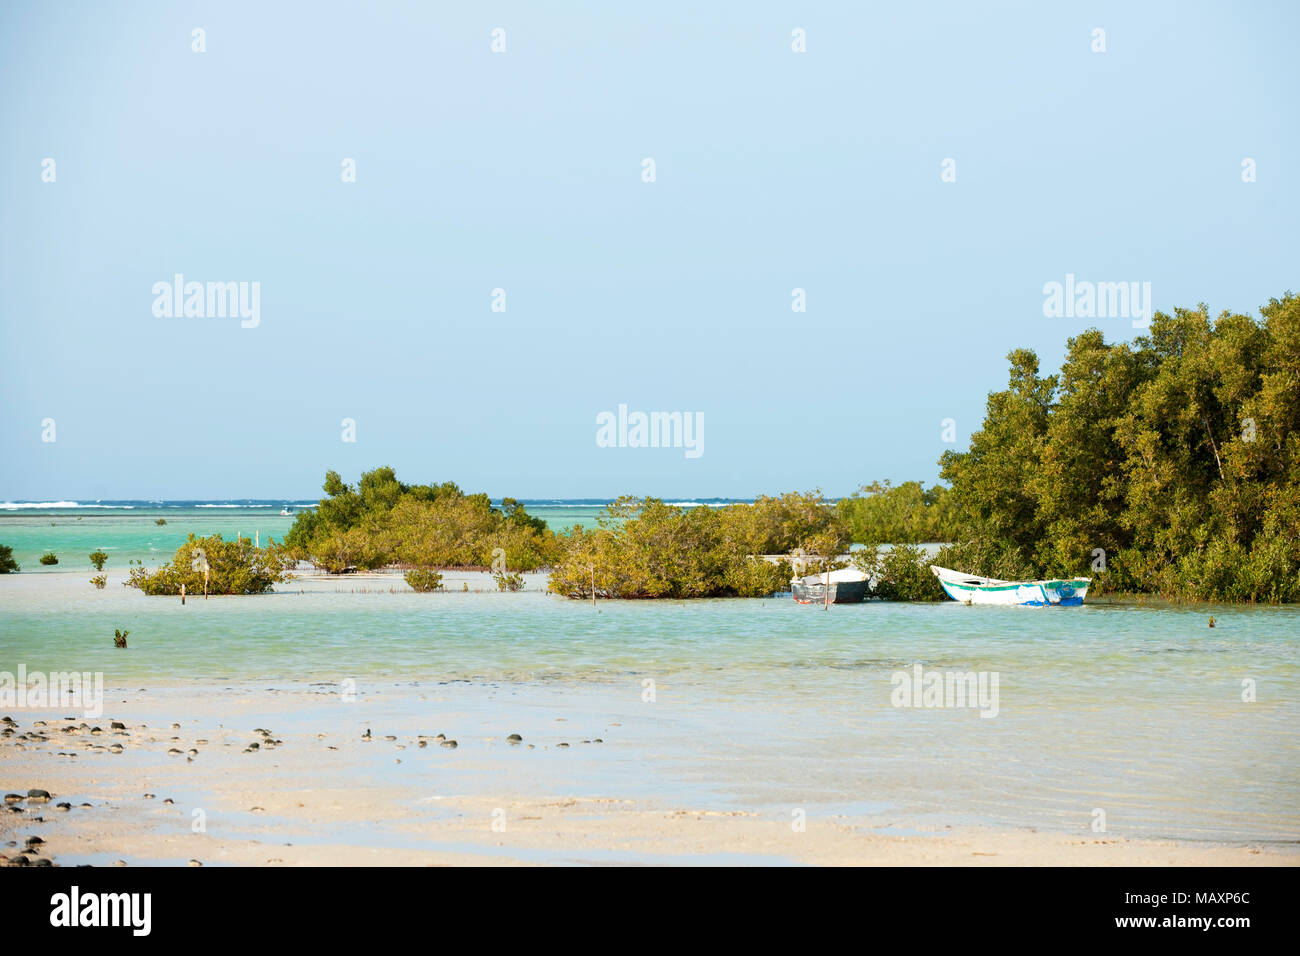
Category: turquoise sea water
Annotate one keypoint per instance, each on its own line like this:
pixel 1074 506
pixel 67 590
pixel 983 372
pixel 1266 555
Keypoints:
pixel 1137 711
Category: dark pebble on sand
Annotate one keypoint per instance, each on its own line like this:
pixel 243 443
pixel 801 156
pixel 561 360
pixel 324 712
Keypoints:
pixel 40 796
pixel 14 797
pixel 449 744
pixel 515 739
pixel 117 725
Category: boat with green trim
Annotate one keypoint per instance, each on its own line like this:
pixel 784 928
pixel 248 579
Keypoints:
pixel 973 589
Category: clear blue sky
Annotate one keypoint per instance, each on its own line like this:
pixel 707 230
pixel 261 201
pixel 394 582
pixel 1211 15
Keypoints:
pixel 522 170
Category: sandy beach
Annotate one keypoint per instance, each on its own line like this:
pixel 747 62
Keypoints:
pixel 269 776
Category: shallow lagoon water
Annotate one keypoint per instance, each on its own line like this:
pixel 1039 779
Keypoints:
pixel 758 704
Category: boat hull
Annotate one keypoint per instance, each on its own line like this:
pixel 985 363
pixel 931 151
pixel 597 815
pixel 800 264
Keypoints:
pixel 842 592
pixel 1069 592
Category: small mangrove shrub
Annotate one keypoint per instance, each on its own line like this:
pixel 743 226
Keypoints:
pixel 119 637
pixel 7 563
pixel 99 580
pixel 49 557
pixel 423 580
pixel 508 581
pixel 97 558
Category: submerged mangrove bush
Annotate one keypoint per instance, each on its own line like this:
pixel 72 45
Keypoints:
pixel 423 580
pixel 508 581
pixel 233 567
pixel 644 548
pixel 383 521
pixel 7 563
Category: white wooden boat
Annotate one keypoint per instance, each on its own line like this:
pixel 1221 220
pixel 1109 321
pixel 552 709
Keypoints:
pixel 973 589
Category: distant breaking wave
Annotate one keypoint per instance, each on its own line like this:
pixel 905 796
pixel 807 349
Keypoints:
pixel 25 505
